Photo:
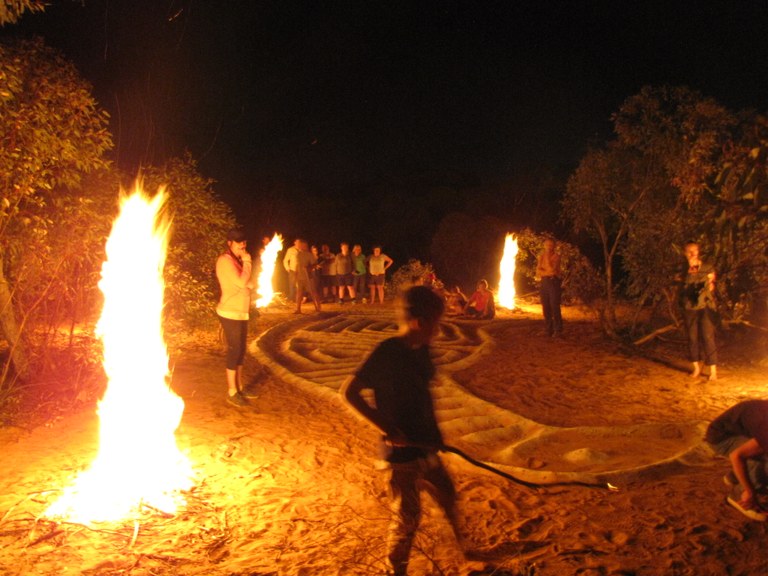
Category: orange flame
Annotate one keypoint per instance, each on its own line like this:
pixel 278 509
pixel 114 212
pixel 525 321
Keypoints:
pixel 138 460
pixel 506 292
pixel 268 260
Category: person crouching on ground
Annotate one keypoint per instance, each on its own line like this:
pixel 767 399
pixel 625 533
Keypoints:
pixel 741 434
pixel 234 272
pixel 398 373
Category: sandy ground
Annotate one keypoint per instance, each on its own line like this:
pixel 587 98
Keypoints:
pixel 290 484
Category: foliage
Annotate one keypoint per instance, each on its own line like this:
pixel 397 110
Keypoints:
pixel 465 248
pixel 408 219
pixel 643 194
pixel 601 199
pixel 581 282
pixel 200 221
pixel 59 284
pixel 737 217
pixel 681 131
pixel 412 273
pixel 52 133
pixel 12 10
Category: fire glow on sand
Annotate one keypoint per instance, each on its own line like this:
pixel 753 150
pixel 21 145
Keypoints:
pixel 506 293
pixel 268 259
pixel 138 462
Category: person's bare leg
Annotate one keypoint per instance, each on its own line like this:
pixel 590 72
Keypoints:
pixel 712 373
pixel 315 299
pixel 696 370
pixel 373 294
pixel 351 293
pixel 232 382
pixel 239 379
pixel 380 289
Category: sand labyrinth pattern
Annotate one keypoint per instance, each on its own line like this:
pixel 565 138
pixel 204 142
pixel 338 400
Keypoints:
pixel 318 353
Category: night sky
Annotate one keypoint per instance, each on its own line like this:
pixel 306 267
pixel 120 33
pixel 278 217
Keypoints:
pixel 308 111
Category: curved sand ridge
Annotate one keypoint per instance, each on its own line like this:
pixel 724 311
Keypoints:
pixel 318 353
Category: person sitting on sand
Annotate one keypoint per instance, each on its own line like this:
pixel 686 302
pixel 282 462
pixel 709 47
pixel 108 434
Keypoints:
pixel 455 301
pixel 741 434
pixel 481 305
pixel 398 372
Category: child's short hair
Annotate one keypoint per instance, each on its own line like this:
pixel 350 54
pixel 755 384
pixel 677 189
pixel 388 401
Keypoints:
pixel 420 302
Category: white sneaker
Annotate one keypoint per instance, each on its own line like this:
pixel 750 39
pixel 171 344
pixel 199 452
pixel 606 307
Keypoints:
pixel 748 512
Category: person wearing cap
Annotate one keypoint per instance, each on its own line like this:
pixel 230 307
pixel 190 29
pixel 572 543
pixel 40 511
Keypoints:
pixel 741 434
pixel 234 272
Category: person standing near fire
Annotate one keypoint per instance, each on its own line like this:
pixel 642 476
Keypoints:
pixel 378 264
pixel 234 270
pixel 305 262
pixel 698 301
pixel 398 372
pixel 548 270
pixel 327 261
pixel 359 272
pixel 290 263
pixel 344 278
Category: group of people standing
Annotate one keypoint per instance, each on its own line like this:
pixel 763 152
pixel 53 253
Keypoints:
pixel 311 274
pixel 399 370
pixel 327 277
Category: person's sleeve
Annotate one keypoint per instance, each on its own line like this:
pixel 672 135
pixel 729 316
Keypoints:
pixel 229 274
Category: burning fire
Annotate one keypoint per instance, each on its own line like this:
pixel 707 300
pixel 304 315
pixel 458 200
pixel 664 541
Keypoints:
pixel 268 259
pixel 506 293
pixel 138 461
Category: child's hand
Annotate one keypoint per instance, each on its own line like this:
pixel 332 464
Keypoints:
pixel 396 439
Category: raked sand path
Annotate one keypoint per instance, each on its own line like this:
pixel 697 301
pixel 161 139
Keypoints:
pixel 289 485
pixel 318 353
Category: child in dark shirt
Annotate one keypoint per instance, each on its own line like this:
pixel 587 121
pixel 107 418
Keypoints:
pixel 741 434
pixel 398 373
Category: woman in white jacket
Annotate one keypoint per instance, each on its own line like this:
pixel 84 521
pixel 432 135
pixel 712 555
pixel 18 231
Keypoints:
pixel 234 270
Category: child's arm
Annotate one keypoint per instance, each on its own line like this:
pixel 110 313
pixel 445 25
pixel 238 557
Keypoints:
pixel 351 391
pixel 738 458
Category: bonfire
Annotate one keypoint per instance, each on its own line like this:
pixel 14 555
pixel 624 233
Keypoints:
pixel 506 291
pixel 268 259
pixel 138 462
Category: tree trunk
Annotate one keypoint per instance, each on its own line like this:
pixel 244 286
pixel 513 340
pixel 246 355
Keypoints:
pixel 609 324
pixel 9 326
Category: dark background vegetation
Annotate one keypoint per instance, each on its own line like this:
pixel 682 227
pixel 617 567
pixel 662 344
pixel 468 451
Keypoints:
pixel 431 127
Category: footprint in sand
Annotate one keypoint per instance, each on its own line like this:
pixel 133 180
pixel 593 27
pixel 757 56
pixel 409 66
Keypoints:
pixel 319 353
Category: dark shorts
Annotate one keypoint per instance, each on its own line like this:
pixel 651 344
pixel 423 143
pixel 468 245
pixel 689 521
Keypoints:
pixel 376 280
pixel 344 279
pixel 328 280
